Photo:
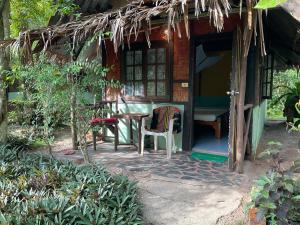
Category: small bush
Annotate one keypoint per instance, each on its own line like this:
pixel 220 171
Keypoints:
pixel 38 189
pixel 277 194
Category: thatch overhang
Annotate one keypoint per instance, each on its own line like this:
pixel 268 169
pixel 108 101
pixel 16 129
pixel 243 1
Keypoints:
pixel 283 31
pixel 136 16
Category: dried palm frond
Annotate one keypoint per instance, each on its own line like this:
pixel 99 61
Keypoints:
pixel 130 20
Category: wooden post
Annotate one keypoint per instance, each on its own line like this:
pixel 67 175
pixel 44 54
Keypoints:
pixel 247 35
pixel 240 116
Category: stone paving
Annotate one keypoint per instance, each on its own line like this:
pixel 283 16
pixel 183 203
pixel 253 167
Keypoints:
pixel 179 167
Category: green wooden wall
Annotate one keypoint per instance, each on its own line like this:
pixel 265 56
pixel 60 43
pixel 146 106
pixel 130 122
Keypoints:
pixel 259 118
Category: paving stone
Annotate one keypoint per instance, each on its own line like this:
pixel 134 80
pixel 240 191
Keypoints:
pixel 188 178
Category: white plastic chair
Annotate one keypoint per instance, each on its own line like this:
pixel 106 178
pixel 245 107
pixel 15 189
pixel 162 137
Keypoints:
pixel 168 135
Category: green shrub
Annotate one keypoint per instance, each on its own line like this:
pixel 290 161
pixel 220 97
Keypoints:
pixel 38 189
pixel 282 79
pixel 277 194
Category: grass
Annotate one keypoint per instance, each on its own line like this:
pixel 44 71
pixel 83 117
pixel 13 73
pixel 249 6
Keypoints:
pixel 38 144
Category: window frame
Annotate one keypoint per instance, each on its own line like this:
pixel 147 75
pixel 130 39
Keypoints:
pixel 144 48
pixel 267 71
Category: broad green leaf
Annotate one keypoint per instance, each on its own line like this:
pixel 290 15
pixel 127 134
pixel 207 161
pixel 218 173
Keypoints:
pixel 266 4
pixel 297 198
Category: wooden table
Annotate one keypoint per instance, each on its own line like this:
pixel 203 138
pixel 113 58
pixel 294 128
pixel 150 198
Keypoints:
pixel 137 117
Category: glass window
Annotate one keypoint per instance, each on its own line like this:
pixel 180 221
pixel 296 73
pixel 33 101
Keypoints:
pixel 267 77
pixel 146 78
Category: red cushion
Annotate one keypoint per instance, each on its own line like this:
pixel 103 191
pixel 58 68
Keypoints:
pixel 103 120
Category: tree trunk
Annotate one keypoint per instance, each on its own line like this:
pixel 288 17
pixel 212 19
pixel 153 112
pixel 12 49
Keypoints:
pixel 73 119
pixel 4 65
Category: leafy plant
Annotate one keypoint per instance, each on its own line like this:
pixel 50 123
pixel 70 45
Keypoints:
pixel 286 95
pixel 86 78
pixel 277 194
pixel 266 4
pixel 281 79
pixel 60 94
pixel 38 189
pixel 45 89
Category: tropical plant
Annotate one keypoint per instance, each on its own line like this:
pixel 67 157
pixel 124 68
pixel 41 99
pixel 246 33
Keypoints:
pixel 286 94
pixel 46 90
pixel 88 82
pixel 266 4
pixel 60 94
pixel 280 80
pixel 277 194
pixel 38 189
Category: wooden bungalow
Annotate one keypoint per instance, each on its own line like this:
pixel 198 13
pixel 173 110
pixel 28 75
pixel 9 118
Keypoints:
pixel 214 60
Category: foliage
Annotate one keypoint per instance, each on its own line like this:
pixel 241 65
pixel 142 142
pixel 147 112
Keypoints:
pixel 48 88
pixel 91 77
pixel 46 91
pixel 36 189
pixel 281 80
pixel 31 14
pixel 66 7
pixel 277 194
pixel 266 4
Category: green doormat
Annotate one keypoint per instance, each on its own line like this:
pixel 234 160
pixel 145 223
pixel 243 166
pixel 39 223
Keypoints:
pixel 209 157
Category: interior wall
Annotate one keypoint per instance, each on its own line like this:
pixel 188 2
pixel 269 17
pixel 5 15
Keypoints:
pixel 215 80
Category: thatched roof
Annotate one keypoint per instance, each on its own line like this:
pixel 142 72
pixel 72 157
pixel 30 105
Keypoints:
pixel 284 32
pixel 293 8
pixel 136 16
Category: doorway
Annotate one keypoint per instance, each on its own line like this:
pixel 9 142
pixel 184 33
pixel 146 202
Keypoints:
pixel 211 104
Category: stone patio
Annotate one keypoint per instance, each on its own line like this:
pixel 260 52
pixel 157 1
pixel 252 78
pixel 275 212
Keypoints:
pixel 180 167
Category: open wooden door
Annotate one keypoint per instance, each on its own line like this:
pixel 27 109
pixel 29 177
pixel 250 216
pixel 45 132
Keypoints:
pixel 233 93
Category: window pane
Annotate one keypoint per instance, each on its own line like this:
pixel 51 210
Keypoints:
pixel 139 89
pixel 151 55
pixel 129 89
pixel 138 73
pixel 129 73
pixel 161 55
pixel 161 72
pixel 151 89
pixel 151 72
pixel 161 89
pixel 129 58
pixel 138 57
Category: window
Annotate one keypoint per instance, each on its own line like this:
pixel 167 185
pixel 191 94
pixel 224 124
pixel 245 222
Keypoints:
pixel 267 76
pixel 146 73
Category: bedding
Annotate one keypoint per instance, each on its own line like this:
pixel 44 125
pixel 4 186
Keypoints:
pixel 208 114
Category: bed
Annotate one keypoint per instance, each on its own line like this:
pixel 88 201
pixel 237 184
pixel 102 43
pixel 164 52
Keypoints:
pixel 210 117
